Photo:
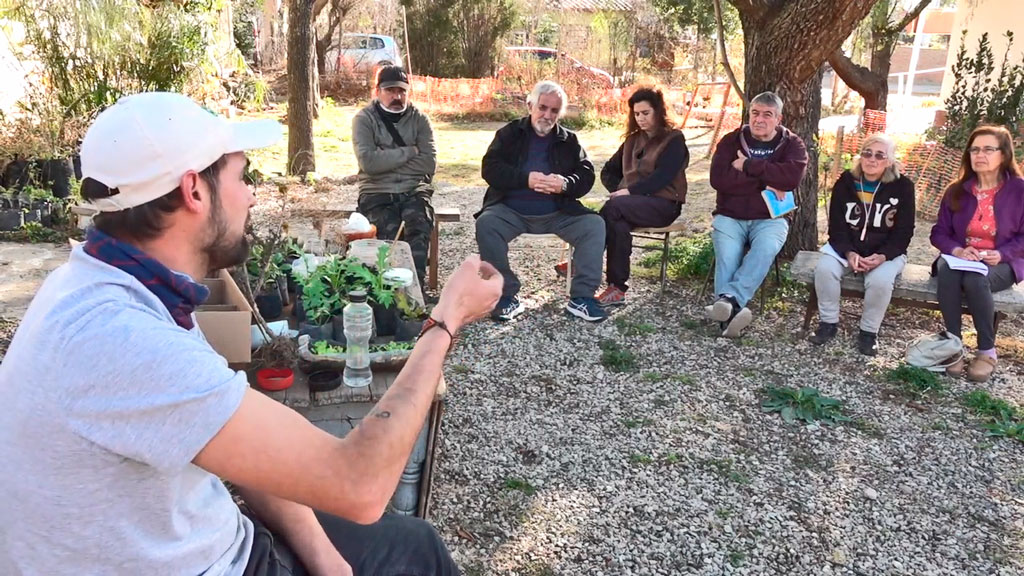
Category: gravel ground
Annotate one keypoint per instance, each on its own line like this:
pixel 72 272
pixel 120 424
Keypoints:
pixel 551 464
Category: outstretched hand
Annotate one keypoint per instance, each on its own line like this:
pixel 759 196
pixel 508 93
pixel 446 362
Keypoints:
pixel 470 294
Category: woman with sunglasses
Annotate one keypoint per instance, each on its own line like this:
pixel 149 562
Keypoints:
pixel 870 225
pixel 981 218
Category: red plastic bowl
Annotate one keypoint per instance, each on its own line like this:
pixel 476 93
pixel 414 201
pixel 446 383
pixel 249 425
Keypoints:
pixel 274 379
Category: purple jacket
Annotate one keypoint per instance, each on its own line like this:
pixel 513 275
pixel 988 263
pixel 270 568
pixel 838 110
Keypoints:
pixel 950 231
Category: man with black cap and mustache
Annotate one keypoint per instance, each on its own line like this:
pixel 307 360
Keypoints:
pixel 394 145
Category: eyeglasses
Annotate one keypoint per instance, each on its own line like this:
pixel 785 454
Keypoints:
pixel 986 150
pixel 879 155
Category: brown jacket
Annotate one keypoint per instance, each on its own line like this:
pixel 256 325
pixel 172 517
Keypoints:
pixel 635 166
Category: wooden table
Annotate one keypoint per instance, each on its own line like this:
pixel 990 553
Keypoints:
pixel 341 410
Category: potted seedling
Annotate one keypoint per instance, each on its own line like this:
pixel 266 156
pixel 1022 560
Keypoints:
pixel 262 267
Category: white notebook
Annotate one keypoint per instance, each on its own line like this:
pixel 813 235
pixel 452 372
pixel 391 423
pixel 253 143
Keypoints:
pixel 828 249
pixel 965 265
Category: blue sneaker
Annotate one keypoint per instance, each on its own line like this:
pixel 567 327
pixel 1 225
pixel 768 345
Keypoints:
pixel 587 308
pixel 508 308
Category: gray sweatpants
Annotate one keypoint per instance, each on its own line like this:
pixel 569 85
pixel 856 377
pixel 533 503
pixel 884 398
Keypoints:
pixel 498 225
pixel 878 285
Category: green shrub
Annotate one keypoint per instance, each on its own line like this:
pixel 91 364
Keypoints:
pixel 688 257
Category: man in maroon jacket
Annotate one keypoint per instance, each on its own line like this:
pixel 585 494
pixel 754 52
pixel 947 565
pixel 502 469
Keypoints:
pixel 763 155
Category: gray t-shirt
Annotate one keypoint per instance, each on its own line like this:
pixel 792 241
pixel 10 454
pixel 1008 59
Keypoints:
pixel 106 402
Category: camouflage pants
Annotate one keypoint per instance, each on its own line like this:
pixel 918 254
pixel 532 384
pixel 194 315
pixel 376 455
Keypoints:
pixel 388 211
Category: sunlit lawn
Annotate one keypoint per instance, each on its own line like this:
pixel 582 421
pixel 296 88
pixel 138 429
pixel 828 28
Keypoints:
pixel 460 146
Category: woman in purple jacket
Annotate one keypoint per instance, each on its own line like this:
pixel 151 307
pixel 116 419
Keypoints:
pixel 981 218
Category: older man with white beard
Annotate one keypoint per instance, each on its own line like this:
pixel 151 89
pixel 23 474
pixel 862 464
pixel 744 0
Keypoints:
pixel 536 171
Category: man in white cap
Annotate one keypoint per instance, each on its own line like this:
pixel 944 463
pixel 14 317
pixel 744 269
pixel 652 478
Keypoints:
pixel 120 421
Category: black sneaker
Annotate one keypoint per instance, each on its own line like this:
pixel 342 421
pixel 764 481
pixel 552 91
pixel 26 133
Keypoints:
pixel 508 308
pixel 824 333
pixel 867 343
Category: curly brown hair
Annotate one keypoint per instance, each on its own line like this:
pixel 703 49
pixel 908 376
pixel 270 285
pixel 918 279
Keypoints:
pixel 656 99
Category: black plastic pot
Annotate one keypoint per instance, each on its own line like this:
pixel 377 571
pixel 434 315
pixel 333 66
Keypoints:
pixel 55 175
pixel 10 219
pixel 76 163
pixel 385 319
pixel 17 175
pixel 338 322
pixel 45 212
pixel 299 311
pixel 32 215
pixel 408 330
pixel 316 331
pixel 324 381
pixel 269 303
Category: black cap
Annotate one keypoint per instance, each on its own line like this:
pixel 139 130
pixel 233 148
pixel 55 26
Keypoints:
pixel 357 296
pixel 392 76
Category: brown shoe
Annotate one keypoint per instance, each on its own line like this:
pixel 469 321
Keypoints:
pixel 981 368
pixel 956 369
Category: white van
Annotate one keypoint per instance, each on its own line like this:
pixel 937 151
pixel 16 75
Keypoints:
pixel 364 52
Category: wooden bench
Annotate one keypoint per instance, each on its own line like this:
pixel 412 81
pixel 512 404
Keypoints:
pixel 915 287
pixel 441 214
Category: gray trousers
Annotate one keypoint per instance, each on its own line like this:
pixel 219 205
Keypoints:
pixel 955 286
pixel 878 285
pixel 498 225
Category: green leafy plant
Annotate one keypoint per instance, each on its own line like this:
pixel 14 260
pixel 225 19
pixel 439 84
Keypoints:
pixel 688 257
pixel 805 404
pixel 1006 429
pixel 916 380
pixel 983 404
pixel 615 357
pixel 632 423
pixel 638 458
pixel 35 231
pixel 520 485
pixel 979 96
pixel 631 327
pixel 1000 418
pixel 321 347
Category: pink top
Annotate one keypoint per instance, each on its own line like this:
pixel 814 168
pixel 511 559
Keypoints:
pixel 981 232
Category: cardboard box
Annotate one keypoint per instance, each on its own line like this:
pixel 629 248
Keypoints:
pixel 225 319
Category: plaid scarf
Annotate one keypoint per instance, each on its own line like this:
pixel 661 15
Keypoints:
pixel 179 294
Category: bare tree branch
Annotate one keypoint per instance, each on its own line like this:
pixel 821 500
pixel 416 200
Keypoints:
pixel 868 84
pixel 725 55
pixel 914 13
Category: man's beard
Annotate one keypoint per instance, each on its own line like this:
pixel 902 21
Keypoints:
pixel 219 250
pixel 543 130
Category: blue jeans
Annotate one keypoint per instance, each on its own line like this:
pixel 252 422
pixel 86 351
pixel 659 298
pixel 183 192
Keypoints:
pixel 740 275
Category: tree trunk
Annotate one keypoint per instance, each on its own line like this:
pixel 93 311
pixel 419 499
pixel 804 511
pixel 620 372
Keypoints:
pixel 881 61
pixel 801 111
pixel 785 44
pixel 301 71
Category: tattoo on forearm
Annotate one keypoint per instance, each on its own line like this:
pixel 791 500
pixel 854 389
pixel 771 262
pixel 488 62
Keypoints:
pixel 382 414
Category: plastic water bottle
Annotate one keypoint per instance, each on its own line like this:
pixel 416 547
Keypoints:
pixel 358 326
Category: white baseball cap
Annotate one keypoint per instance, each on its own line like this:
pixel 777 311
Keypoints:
pixel 145 143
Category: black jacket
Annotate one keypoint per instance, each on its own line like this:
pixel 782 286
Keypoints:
pixel 890 222
pixel 506 156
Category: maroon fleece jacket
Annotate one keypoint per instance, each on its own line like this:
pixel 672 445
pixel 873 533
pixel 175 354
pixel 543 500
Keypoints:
pixel 739 193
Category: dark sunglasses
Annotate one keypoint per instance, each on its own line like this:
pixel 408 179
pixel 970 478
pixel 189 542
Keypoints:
pixel 878 155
